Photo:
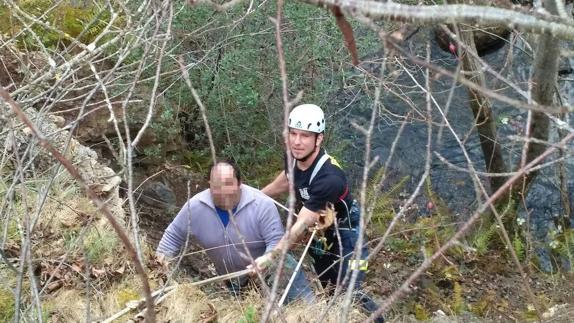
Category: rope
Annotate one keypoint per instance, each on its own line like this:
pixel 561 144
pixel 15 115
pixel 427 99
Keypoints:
pixel 283 207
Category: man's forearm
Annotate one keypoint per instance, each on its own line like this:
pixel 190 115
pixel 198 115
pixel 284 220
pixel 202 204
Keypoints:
pixel 285 243
pixel 292 236
pixel 273 190
pixel 168 245
pixel 279 186
pixel 306 218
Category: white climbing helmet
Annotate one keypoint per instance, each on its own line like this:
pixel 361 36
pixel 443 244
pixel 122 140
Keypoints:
pixel 308 117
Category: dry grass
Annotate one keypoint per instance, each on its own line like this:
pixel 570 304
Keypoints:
pixel 69 306
pixel 190 304
pixel 186 304
pixel 308 313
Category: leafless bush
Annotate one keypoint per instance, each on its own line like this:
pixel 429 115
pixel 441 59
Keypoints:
pixel 59 81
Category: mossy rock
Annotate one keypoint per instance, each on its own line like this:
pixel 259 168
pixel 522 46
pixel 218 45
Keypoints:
pixel 68 19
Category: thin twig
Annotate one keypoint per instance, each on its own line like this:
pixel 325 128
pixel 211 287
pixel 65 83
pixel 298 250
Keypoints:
pixel 286 108
pixel 197 99
pixel 404 288
pixel 455 13
pixel 296 269
pixel 44 143
pixel 170 289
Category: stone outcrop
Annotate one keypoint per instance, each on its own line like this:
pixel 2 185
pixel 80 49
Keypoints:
pixel 18 143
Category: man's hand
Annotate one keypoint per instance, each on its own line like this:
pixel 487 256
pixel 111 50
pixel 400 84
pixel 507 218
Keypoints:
pixel 163 260
pixel 261 263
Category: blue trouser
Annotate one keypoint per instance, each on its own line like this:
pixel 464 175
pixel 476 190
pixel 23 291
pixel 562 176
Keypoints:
pixel 327 264
pixel 326 258
pixel 300 288
pixel 326 254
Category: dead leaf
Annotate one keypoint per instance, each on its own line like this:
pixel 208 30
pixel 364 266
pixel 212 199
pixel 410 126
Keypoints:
pixel 121 270
pixel 347 32
pixel 326 217
pixel 209 316
pixel 53 286
pixel 98 272
pixel 77 268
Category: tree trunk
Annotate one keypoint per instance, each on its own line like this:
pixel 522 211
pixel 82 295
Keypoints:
pixel 544 77
pixel 482 110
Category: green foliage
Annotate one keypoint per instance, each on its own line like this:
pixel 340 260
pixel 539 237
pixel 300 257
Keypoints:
pixel 401 245
pixel 100 245
pixel 68 20
pixel 519 246
pixel 6 305
pixel 198 160
pixel 96 245
pixel 484 304
pixel 450 276
pixel 564 245
pixel 435 230
pixel 70 240
pixel 483 237
pixel 64 186
pixel 238 78
pixel 450 273
pixel 126 295
pixel 427 233
pixel 161 136
pixel 530 312
pixel 249 316
pixel 421 312
pixel 154 153
pixel 13 232
pixel 457 304
pixel 5 19
pixel 381 204
pixel 440 206
pixel 439 297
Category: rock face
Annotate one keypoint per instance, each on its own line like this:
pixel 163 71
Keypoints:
pixel 160 198
pixel 20 144
pixel 487 40
pixel 158 194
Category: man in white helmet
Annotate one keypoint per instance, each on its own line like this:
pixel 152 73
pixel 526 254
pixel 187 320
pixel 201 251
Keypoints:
pixel 319 180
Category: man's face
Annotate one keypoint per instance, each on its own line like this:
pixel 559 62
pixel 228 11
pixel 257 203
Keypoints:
pixel 224 187
pixel 303 143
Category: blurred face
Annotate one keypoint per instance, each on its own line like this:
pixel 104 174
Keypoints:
pixel 224 187
pixel 303 143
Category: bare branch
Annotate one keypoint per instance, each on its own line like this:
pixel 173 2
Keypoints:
pixel 449 14
pixel 101 205
pixel 404 288
pixel 201 107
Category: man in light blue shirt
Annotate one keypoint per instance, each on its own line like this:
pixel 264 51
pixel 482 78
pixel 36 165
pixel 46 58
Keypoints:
pixel 234 223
